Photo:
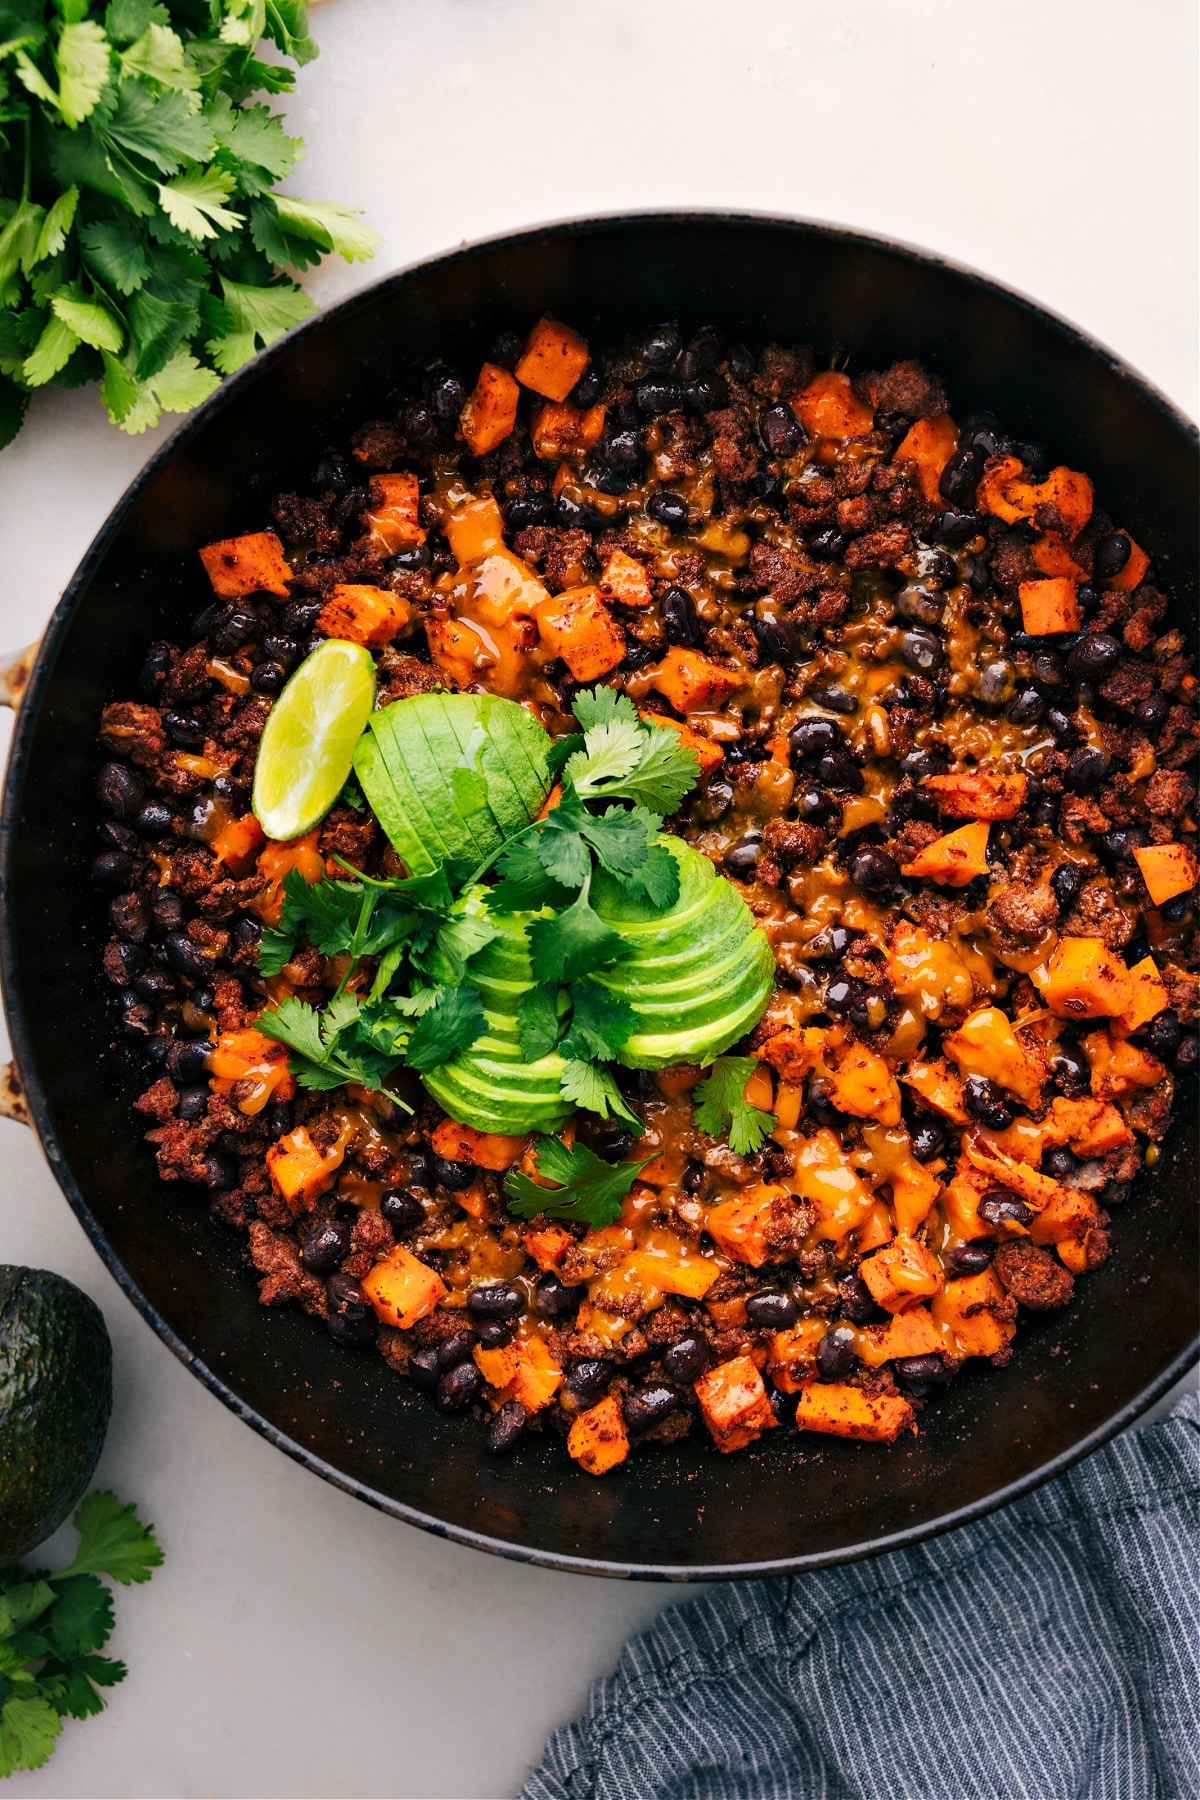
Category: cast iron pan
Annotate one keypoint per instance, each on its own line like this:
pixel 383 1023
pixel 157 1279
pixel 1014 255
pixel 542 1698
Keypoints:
pixel 790 1502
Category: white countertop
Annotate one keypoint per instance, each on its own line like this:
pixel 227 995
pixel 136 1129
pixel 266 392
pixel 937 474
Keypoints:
pixel 295 1642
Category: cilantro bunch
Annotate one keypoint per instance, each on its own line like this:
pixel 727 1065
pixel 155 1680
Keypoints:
pixel 141 242
pixel 53 1626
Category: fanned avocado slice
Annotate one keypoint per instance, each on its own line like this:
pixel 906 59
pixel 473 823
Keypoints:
pixel 697 977
pixel 491 1086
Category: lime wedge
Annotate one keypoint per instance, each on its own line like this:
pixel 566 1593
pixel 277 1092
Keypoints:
pixel 305 751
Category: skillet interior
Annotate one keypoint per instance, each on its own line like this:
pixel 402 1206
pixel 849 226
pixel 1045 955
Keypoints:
pixel 789 1502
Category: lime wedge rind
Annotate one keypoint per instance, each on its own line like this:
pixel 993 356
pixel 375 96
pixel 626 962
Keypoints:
pixel 304 755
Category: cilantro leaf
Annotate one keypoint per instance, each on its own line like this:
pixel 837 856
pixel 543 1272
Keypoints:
pixel 620 836
pixel 573 943
pixel 596 1090
pixel 666 772
pixel 326 1048
pixel 657 878
pixel 559 844
pixel 561 750
pixel 161 128
pixel 538 1023
pixel 600 1022
pixel 722 1108
pixel 258 313
pixel 522 883
pixel 113 1541
pixel 332 227
pixel 587 1189
pixel 450 1026
pixel 458 940
pixel 83 1615
pixel 113 249
pixel 28 1728
pixel 194 202
pixel 601 706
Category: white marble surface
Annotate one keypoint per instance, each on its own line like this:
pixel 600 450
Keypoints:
pixel 295 1643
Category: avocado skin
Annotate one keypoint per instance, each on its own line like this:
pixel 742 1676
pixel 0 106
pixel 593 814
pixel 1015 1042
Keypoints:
pixel 55 1401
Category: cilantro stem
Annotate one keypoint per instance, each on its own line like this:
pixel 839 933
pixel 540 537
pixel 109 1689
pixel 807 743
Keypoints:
pixel 487 862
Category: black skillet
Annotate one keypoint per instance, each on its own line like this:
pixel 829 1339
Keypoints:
pixel 790 1502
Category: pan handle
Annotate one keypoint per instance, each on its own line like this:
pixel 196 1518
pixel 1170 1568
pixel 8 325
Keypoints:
pixel 14 674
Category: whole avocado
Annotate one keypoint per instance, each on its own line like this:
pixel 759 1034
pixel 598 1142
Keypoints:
pixel 55 1401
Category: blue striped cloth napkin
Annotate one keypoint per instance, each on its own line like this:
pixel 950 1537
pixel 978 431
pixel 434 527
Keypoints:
pixel 1051 1652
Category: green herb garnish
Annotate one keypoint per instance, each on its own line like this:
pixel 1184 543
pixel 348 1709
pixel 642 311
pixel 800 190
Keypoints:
pixel 141 242
pixel 589 1190
pixel 53 1626
pixel 721 1105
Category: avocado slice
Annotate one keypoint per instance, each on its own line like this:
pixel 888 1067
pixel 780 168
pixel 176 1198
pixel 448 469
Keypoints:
pixel 697 977
pixel 491 1086
pixel 55 1401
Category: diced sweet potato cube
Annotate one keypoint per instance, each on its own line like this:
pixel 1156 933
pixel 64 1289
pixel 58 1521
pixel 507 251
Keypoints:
pixel 939 1087
pixel 1050 605
pixel 274 863
pixel 914 1187
pixel 1083 980
pixel 955 859
pixel 1036 1189
pixel 547 1245
pixel 1119 1068
pixel 364 615
pixel 1071 1214
pixel 734 1403
pixel 930 443
pixel 912 1333
pixel 1051 557
pixel 491 410
pixel 1090 1127
pixel 688 680
pixel 253 1064
pixel 709 755
pixel 1147 995
pixel 793 1353
pixel 848 1412
pixel 625 579
pixel 563 431
pixel 758 1090
pixel 875 1230
pixel 1167 870
pixel 598 1439
pixel 253 564
pixel 991 495
pixel 299 1171
pixel 795 1052
pixel 485 1149
pixel 968 1310
pixel 238 844
pixel 577 626
pixel 1134 572
pixel 475 530
pixel 555 357
pixel 738 1225
pixel 903 1272
pixel 978 793
pixel 829 408
pixel 403 1289
pixel 862 1084
pixel 497 1366
pixel 679 1078
pixel 824 1174
pixel 536 1376
pixel 986 1044
pixel 396 521
pixel 1063 500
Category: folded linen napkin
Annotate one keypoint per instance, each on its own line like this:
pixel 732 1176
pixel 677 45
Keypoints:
pixel 1050 1652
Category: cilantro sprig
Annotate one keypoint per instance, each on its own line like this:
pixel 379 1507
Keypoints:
pixel 722 1107
pixel 53 1626
pixel 587 1189
pixel 142 242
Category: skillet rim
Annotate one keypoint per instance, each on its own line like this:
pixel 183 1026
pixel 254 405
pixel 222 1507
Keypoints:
pixel 42 671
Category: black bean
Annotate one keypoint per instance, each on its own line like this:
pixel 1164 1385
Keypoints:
pixel 506 349
pixel 112 869
pixel 637 656
pixel 818 1103
pixel 780 430
pixel 219 1172
pixel 1119 846
pixel 554 1299
pixel 957 528
pixel 827 543
pixel 325 1246
pixel 921 1372
pixel 449 395
pixel 960 477
pixel 920 605
pixel 1065 884
pixel 833 699
pixel 775 1311
pixel 419 423
pixel 874 869
pixel 235 627
pixel 457 1387
pixel 401 1209
pixel 1048 668
pixel 184 730
pixel 1070 1067
pixel 120 790
pixel 670 510
pixel 858 1303
pixel 679 619
pixel 1086 769
pixel 267 677
pixel 613 1142
pixel 1093 656
pixel 1114 1193
pixel 1110 555
pixel 506 1429
pixel 188 1061
pixel 842 993
pixel 408 559
pixel 453 1175
pixel 814 737
pixel 1151 713
pixel 741 859
pixel 122 962
pixel 985 1100
pixel 967 1259
pixel 129 916
pixel 707 394
pixel 333 473
pixel 928 1138
pixel 584 1384
pixel 701 355
pixel 456 1348
pixel 657 395
pixel 193 1103
pixel 494 1334
pixel 298 617
pixel 280 1118
pixel 922 650
pixel 741 361
pixel 154 670
pixel 186 957
pixel 1003 1208
pixel 778 640
pixel 649 1404
pixel 659 347
pixel 620 450
pixel 1027 708
pixel 530 509
pixel 920 764
pixel 156 986
pixel 977 575
pixel 1059 1162
pixel 153 819
pixel 814 805
pixel 687 1358
pixel 1187 1054
pixel 1163 1032
pixel 695 1177
pixel 419 1172
pixel 836 1355
pixel 112 835
pixel 831 944
pixel 424 1370
pixel 586 391
pixel 496 1300
pixel 1061 725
